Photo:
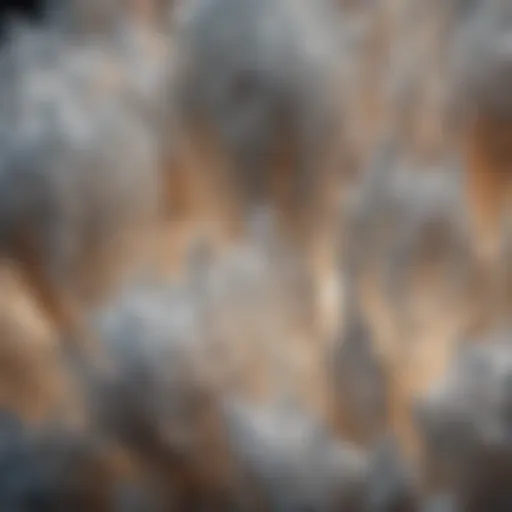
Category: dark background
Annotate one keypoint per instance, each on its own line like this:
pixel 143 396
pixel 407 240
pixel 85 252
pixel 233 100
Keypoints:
pixel 26 9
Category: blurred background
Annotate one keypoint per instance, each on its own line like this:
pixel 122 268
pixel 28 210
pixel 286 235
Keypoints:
pixel 255 255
